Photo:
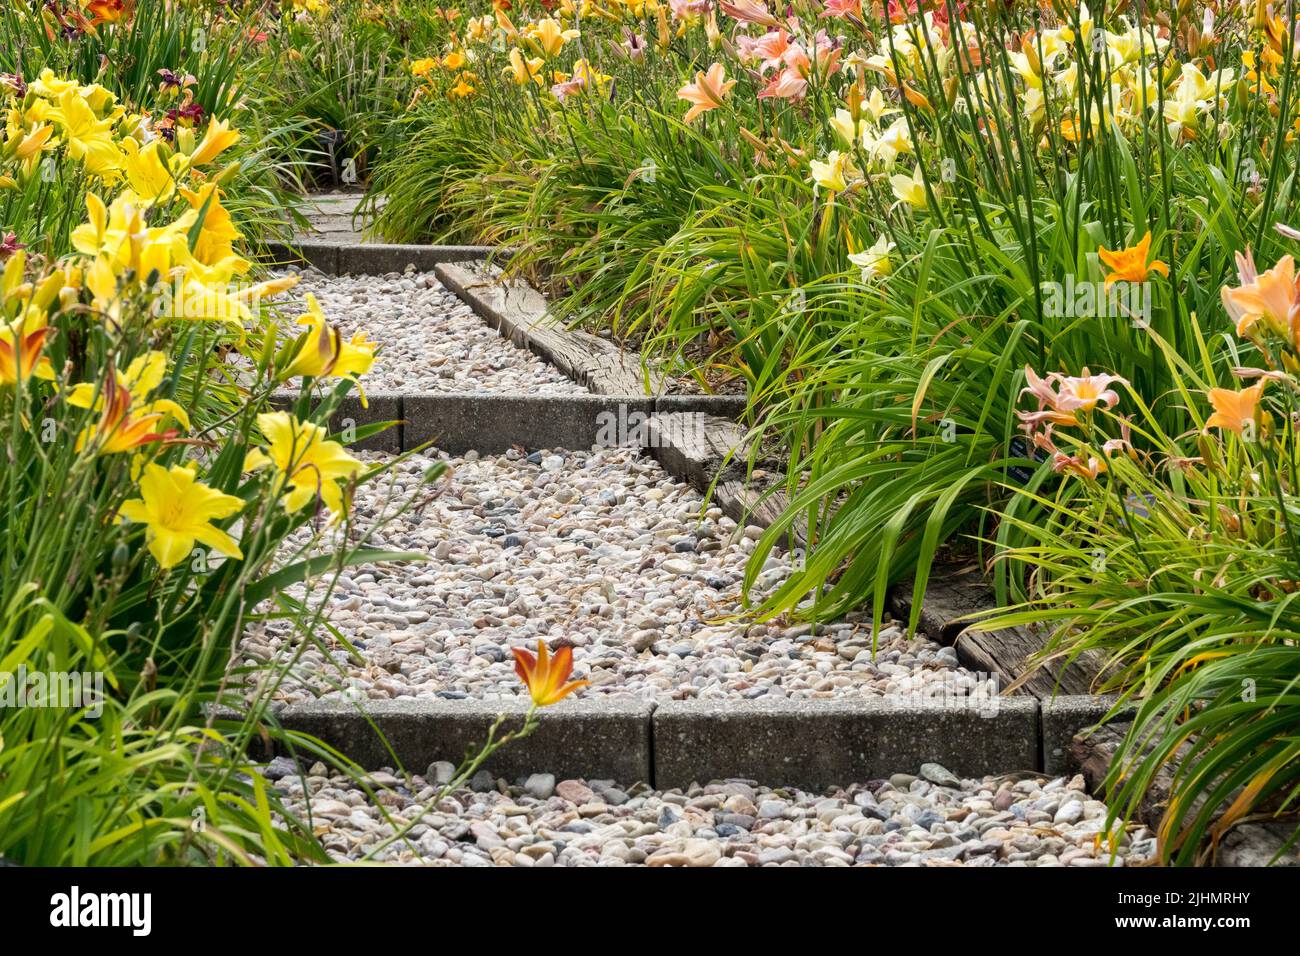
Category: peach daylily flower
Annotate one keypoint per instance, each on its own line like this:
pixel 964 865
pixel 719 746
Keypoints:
pixel 1130 265
pixel 1081 393
pixel 842 8
pixel 546 677
pixel 1075 464
pixel 707 92
pixel 789 84
pixel 1232 409
pixel 769 49
pixel 1085 391
pixel 749 11
pixel 1269 295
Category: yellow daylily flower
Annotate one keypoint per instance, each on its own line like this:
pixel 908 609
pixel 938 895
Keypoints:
pixel 836 173
pixel 425 66
pixel 177 510
pixel 50 86
pixel 219 138
pixel 89 139
pixel 549 36
pixel 307 463
pixel 875 260
pixel 523 70
pixel 322 352
pixel 149 175
pixel 33 143
pixel 845 128
pixel 910 189
pixel 216 240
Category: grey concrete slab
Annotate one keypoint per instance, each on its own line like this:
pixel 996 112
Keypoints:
pixel 724 406
pixel 1065 716
pixel 323 256
pixel 492 423
pixel 375 258
pixel 813 744
pixel 591 737
pixel 379 407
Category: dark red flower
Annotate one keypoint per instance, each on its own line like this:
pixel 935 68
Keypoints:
pixel 9 244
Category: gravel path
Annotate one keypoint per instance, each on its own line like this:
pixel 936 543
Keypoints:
pixel 599 548
pixel 432 342
pixel 930 819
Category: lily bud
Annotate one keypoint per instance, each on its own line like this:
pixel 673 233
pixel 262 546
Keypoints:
pixel 916 98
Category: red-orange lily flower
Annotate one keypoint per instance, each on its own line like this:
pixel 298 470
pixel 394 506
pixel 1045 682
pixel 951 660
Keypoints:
pixel 110 11
pixel 547 677
pixel 1130 265
pixel 20 355
pixel 118 430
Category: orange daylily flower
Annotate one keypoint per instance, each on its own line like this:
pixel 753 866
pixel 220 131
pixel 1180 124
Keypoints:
pixel 110 11
pixel 1130 265
pixel 546 676
pixel 707 92
pixel 1233 409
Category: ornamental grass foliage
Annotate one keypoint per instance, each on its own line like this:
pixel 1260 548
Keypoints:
pixel 968 259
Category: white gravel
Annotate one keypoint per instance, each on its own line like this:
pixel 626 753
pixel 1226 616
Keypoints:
pixel 431 341
pixel 925 819
pixel 601 549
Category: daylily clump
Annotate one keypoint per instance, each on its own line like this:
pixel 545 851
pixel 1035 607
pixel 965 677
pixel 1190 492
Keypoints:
pixel 158 246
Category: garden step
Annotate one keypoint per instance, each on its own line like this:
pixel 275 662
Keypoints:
pixel 520 313
pixel 430 341
pixel 541 536
pixel 601 549
pixel 332 217
pixel 956 591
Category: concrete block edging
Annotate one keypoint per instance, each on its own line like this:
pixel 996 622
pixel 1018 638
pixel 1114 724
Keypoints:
pixel 349 258
pixel 805 744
